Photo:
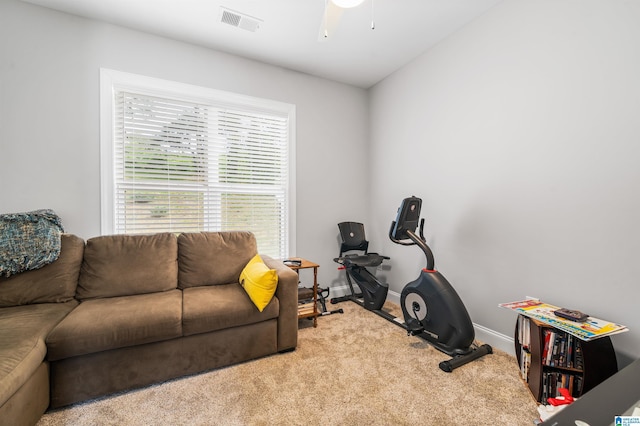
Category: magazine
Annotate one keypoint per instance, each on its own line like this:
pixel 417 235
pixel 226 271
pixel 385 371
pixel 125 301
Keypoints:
pixel 590 329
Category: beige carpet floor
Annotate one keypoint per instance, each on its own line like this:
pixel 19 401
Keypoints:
pixel 355 368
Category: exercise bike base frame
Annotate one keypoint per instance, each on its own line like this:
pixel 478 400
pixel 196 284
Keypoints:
pixel 458 358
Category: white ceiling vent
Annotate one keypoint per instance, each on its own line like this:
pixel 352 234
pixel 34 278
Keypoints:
pixel 240 20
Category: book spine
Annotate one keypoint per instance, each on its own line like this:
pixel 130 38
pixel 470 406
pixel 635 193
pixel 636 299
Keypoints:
pixel 550 347
pixel 570 348
pixel 578 361
pixel 545 350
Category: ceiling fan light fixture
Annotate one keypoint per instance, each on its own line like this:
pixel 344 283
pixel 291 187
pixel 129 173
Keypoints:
pixel 346 4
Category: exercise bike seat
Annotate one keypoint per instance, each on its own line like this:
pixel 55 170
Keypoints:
pixel 353 239
pixel 369 259
pixel 372 291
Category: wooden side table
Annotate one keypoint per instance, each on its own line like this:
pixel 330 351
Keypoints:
pixel 308 310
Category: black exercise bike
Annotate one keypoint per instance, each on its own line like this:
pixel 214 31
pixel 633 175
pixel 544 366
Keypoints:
pixel 431 307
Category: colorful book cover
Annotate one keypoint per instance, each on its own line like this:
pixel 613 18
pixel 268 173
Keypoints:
pixel 591 329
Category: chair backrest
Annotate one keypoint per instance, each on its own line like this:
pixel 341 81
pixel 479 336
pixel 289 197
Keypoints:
pixel 353 237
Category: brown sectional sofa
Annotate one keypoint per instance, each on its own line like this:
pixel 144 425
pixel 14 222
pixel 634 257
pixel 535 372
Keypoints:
pixel 121 312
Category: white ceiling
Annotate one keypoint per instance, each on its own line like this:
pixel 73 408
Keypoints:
pixel 288 35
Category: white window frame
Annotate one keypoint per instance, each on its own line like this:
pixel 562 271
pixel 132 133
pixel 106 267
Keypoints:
pixel 112 80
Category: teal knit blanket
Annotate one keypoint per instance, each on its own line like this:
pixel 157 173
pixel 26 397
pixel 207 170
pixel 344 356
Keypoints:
pixel 28 240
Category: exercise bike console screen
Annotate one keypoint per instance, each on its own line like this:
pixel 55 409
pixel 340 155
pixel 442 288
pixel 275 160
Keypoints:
pixel 407 219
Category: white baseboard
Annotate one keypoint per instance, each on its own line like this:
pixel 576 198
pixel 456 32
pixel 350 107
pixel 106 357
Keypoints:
pixel 495 339
pixel 483 334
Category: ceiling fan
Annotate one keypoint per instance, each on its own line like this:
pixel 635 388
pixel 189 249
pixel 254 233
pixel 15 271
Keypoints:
pixel 333 10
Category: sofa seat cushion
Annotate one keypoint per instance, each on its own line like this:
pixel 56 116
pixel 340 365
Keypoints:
pixel 211 308
pixel 125 265
pixel 23 330
pixel 102 324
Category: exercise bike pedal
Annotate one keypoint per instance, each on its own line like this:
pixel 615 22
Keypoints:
pixel 414 328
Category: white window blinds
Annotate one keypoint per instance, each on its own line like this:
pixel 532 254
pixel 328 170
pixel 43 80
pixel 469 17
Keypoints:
pixel 187 166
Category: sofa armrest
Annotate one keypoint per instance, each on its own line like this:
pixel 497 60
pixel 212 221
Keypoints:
pixel 287 294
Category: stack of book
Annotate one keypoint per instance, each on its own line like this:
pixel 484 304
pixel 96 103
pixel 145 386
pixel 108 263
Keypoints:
pixel 592 328
pixel 564 351
pixel 552 381
pixel 561 350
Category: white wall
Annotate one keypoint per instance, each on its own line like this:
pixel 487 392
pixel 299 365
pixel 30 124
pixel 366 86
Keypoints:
pixel 521 133
pixel 49 124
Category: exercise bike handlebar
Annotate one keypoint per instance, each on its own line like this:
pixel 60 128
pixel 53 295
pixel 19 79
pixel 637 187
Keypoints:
pixel 420 241
pixel 395 240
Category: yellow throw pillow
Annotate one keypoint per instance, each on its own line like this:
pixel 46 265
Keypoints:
pixel 259 282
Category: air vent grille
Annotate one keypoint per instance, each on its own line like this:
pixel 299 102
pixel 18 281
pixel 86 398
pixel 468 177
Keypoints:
pixel 230 18
pixel 240 20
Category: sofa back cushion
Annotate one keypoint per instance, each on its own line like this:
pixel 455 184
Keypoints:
pixel 213 258
pixel 124 265
pixel 53 283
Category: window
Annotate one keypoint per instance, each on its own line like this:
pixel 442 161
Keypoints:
pixel 181 158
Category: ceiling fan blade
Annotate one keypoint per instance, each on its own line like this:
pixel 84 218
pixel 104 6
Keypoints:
pixel 330 19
